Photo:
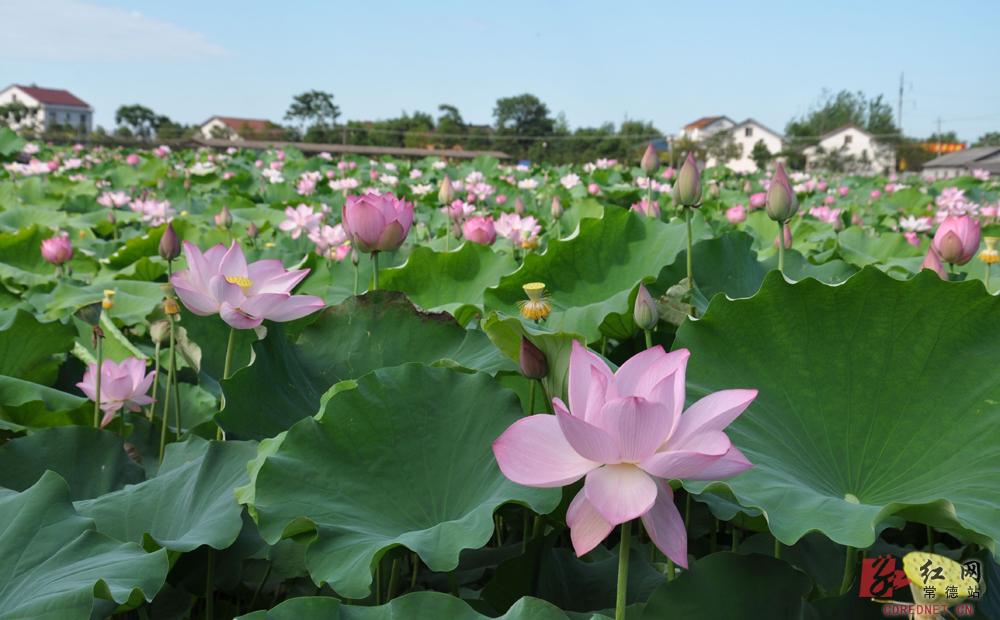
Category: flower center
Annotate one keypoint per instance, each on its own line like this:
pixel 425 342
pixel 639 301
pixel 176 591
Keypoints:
pixel 241 281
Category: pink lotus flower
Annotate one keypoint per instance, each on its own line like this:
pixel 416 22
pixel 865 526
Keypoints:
pixel 458 210
pixel 626 434
pixel 736 214
pixel 377 222
pixel 300 219
pixel 113 199
pixel 957 239
pixel 500 199
pixel 932 262
pixel 132 159
pixel 480 229
pixel 220 281
pixel 843 190
pixel 821 186
pixel 593 189
pixel 912 238
pixel 522 231
pixel 58 249
pixel 122 385
pixel 875 194
pixel 758 200
pixel 647 208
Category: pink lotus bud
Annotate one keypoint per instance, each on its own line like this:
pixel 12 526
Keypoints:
pixel 170 245
pixel 377 222
pixel 519 206
pixel 829 200
pixel 224 218
pixel 647 208
pixel 593 189
pixel 782 202
pixel 373 174
pixel 957 239
pixel 132 159
pixel 556 208
pixel 253 231
pixel 532 360
pixel 875 194
pixel 843 190
pixel 479 229
pixel 758 200
pixel 644 313
pixel 650 160
pixel 259 163
pixel 501 199
pixel 932 262
pixel 912 238
pixel 446 194
pixel 821 186
pixel 688 186
pixel 736 214
pixel 669 173
pixel 58 249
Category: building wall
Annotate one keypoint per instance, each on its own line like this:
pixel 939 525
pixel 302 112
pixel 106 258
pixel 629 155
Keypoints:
pixel 744 163
pixel 12 95
pixel 698 135
pixel 210 126
pixel 49 115
pixel 854 142
pixel 944 172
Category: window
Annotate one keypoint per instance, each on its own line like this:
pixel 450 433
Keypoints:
pixel 748 132
pixel 848 139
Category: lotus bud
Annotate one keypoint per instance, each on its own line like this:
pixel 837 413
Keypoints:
pixel 532 360
pixel 170 245
pixel 557 209
pixel 58 249
pixel 688 185
pixel 650 160
pixel 932 262
pixel 519 206
pixel 252 230
pixel 956 240
pixel 644 312
pixel 446 193
pixel 224 218
pixel 159 331
pixel 781 200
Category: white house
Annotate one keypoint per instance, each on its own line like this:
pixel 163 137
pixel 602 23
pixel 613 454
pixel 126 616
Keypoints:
pixel 53 106
pixel 706 126
pixel 855 147
pixel 747 134
pixel 232 128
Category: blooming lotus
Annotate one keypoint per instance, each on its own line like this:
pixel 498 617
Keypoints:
pixel 219 281
pixel 957 239
pixel 624 433
pixel 300 219
pixel 122 385
pixel 736 214
pixel 479 229
pixel 649 208
pixel 377 222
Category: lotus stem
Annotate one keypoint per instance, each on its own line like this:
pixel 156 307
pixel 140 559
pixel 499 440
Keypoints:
pixel 735 539
pixel 623 549
pixel 356 273
pixel 781 247
pixel 671 570
pixel 690 270
pixel 988 277
pixel 166 397
pixel 98 344
pixel 849 564
pixel 156 380
pixel 531 397
pixel 230 348
pixel 545 397
pixel 393 578
pixel 260 586
pixel 649 338
pixel 374 271
pixel 777 548
pixel 173 381
pixel 416 569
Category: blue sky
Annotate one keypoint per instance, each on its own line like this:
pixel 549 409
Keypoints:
pixel 668 62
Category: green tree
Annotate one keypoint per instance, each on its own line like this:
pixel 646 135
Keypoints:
pixel 449 125
pixel 991 138
pixel 16 113
pixel 139 120
pixel 944 136
pixel 722 147
pixel 760 155
pixel 522 116
pixel 313 109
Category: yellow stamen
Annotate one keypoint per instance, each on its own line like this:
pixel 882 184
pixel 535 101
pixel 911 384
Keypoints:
pixel 241 281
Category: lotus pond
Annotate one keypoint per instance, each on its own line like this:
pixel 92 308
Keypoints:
pixel 265 385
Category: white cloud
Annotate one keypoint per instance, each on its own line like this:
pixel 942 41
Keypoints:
pixel 73 30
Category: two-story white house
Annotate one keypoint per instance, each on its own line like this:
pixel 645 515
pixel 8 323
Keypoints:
pixel 705 127
pixel 747 134
pixel 857 150
pixel 52 107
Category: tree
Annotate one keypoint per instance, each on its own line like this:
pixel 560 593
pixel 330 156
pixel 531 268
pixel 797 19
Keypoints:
pixel 16 114
pixel 722 147
pixel 991 138
pixel 761 155
pixel 139 120
pixel 945 136
pixel 450 124
pixel 522 116
pixel 313 108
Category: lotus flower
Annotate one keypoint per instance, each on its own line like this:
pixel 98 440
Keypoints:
pixel 782 203
pixel 957 239
pixel 736 214
pixel 377 222
pixel 122 385
pixel 220 282
pixel 625 433
pixel 58 249
pixel 932 262
pixel 480 229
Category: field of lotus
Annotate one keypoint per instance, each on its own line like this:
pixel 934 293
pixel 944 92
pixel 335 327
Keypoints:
pixel 267 386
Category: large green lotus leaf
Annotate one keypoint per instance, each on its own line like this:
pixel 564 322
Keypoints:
pixel 592 274
pixel 403 458
pixel 146 244
pixel 414 606
pixel 448 281
pixel 134 300
pixel 734 587
pixel 54 565
pixel 92 461
pixel 31 405
pixel 10 142
pixel 21 256
pixel 32 350
pixel 17 218
pixel 878 400
pixel 290 373
pixel 857 246
pixel 189 503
